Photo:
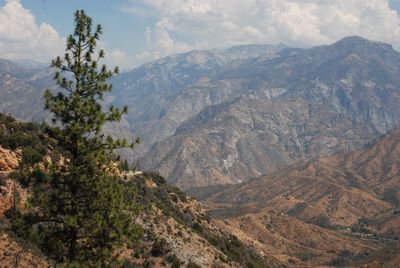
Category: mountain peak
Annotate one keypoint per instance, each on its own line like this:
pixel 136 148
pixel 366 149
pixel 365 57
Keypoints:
pixel 354 38
pixel 358 41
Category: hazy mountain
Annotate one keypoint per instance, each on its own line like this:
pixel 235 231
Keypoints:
pixel 222 116
pixel 164 93
pixel 21 90
pixel 160 94
pixel 296 105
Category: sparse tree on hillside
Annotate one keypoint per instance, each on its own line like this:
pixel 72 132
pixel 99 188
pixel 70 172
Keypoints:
pixel 79 211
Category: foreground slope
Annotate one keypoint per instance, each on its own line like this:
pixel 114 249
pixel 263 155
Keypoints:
pixel 176 229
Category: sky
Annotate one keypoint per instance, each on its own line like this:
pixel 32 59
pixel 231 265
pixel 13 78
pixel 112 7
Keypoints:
pixel 137 31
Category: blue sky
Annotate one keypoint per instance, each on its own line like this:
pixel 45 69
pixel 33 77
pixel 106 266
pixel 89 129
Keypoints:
pixel 136 31
pixel 121 30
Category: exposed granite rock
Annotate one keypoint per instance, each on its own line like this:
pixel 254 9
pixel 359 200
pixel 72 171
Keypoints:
pixel 297 105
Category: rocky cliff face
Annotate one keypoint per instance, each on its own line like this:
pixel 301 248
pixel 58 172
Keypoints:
pixel 250 137
pixel 164 93
pixel 297 105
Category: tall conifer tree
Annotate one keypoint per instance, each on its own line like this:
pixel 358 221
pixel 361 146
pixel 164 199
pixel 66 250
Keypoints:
pixel 79 211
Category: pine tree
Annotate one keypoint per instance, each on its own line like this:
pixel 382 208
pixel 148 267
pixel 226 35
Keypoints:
pixel 79 212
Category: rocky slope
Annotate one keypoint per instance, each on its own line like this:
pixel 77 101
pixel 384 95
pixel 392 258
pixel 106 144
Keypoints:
pixel 164 93
pixel 335 210
pixel 299 244
pixel 177 232
pixel 383 258
pixel 296 105
pixel 250 137
pixel 343 190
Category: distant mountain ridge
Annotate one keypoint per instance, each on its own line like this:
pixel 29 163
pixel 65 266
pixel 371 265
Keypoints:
pixel 296 105
pixel 222 116
pixel 155 92
pixel 164 93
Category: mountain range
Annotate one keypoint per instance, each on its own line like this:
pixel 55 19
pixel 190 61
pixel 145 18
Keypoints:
pixel 223 116
pixel 294 106
pixel 293 152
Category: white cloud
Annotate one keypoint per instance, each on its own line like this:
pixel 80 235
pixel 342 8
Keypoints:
pixel 22 38
pixel 118 58
pixel 218 23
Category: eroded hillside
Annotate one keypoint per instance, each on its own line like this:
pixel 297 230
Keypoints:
pixel 176 231
pixel 333 210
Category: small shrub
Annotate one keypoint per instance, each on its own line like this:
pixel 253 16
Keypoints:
pixel 158 179
pixel 159 247
pixel 174 260
pixel 306 256
pixel 197 227
pixel 127 264
pixel 17 139
pixel 31 156
pixel 322 221
pixel 193 265
pixel 147 263
pixel 340 262
pixel 222 257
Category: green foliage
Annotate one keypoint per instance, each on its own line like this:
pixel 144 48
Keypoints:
pixel 160 247
pixel 306 256
pixel 361 227
pixel 156 177
pixel 125 165
pixel 127 264
pixel 15 134
pixel 197 227
pixel 174 261
pixel 79 212
pixel 235 250
pixel 31 156
pixel 322 221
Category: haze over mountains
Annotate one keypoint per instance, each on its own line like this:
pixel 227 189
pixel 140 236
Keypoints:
pixel 296 105
pixel 223 116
